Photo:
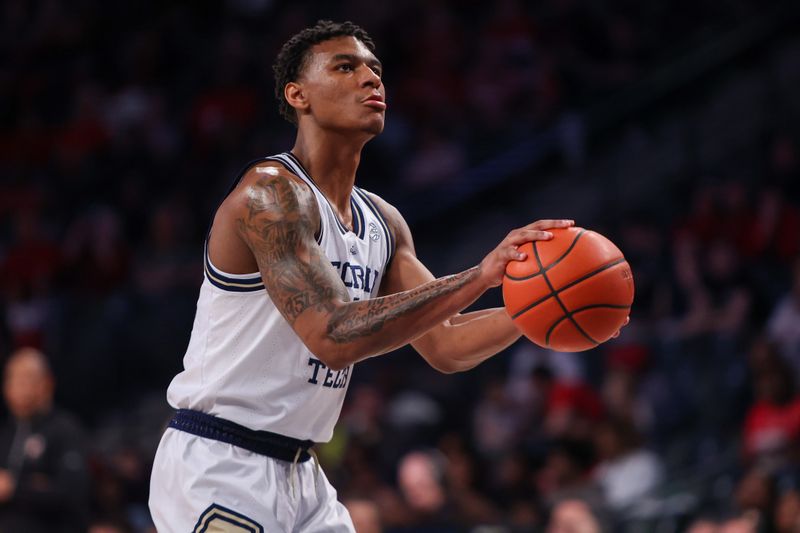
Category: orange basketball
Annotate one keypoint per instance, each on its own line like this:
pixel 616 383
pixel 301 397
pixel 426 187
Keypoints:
pixel 571 293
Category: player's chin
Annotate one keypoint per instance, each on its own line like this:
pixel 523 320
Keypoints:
pixel 374 125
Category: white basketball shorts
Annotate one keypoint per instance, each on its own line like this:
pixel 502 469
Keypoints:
pixel 203 485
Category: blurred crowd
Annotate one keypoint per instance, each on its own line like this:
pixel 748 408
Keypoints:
pixel 690 421
pixel 122 123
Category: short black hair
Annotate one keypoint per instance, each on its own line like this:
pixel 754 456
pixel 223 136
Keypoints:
pixel 292 57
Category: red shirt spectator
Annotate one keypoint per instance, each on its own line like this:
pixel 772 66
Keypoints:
pixel 772 424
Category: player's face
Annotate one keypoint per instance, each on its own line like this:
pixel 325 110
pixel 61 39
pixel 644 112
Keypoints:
pixel 342 84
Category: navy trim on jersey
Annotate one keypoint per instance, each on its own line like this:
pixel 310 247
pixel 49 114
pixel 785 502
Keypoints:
pixel 382 220
pixel 358 218
pixel 297 162
pixel 300 169
pixel 220 280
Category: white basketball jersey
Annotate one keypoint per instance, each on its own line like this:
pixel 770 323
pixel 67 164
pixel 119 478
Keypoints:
pixel 246 364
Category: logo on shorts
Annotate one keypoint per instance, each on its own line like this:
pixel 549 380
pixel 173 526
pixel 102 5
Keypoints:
pixel 218 519
pixel 374 234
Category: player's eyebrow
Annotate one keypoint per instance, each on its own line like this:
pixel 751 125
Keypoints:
pixel 371 61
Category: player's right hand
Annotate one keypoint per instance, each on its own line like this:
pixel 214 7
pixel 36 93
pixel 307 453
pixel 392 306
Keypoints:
pixel 494 264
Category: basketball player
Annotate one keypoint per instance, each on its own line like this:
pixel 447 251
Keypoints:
pixel 305 275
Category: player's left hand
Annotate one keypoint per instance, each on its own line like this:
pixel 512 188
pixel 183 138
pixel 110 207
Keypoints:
pixel 494 264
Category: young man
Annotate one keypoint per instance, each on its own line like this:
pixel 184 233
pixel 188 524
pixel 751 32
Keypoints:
pixel 307 274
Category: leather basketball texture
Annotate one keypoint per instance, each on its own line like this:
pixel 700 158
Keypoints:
pixel 572 292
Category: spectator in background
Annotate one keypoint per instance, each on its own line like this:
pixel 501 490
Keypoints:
pixel 774 235
pixel 165 264
pixel 120 487
pixel 513 487
pixel 359 473
pixel 497 422
pixel 714 326
pixel 43 474
pixel 573 516
pixel 96 255
pixel 364 414
pixel 463 482
pixel 783 327
pixel 772 424
pixel 707 253
pixel 365 515
pixel 645 248
pixel 626 471
pixel 566 473
pixel 29 273
pixel 787 512
pixel 421 477
pixel 570 406
pixel 622 391
pixel 719 301
pixel 743 524
pixel 754 499
pixel 107 526
pixel 720 212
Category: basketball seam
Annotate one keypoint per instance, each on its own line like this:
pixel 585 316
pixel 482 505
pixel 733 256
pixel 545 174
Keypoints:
pixel 551 265
pixel 555 295
pixel 576 311
pixel 567 286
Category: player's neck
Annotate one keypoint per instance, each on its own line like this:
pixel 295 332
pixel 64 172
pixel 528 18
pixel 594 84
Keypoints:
pixel 332 160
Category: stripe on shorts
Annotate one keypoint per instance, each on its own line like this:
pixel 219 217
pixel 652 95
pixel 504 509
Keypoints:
pixel 219 519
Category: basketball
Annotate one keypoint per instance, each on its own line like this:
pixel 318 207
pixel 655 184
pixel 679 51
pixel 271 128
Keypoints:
pixel 571 293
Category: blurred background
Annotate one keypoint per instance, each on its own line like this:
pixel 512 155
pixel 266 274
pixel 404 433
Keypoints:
pixel 671 127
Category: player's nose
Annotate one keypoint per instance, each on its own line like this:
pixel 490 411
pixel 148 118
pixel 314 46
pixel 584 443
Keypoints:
pixel 370 78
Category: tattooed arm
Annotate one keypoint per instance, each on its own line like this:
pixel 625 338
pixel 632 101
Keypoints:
pixel 459 342
pixel 276 216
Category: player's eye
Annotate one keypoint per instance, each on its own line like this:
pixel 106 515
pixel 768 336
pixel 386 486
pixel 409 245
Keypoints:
pixel 377 70
pixel 345 67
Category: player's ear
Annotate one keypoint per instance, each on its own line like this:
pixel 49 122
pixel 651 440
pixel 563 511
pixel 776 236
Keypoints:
pixel 295 95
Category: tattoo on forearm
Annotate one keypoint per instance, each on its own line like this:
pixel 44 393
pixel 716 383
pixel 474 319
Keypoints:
pixel 369 316
pixel 279 227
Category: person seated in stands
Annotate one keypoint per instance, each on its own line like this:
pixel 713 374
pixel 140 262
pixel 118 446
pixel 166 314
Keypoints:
pixel 43 471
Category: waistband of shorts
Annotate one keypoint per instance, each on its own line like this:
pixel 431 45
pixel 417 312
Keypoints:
pixel 260 442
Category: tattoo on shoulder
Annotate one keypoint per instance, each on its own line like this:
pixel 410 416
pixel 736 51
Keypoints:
pixel 352 322
pixel 279 227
